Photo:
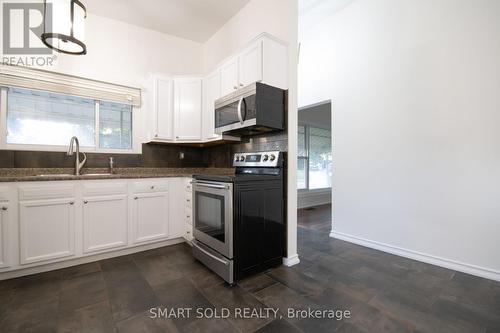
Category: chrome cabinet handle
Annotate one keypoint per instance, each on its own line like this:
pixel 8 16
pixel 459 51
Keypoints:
pixel 188 200
pixel 152 187
pixel 241 84
pixel 85 201
pixel 4 208
pixel 135 198
pixel 235 87
pixel 71 202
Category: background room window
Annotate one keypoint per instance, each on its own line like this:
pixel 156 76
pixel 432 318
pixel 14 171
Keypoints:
pixel 43 118
pixel 115 130
pixel 48 119
pixel 302 159
pixel 314 158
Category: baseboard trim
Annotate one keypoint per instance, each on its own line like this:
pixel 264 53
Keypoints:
pixel 423 257
pixel 19 271
pixel 291 260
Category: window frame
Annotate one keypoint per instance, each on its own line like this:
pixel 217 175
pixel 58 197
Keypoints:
pixel 307 133
pixel 136 147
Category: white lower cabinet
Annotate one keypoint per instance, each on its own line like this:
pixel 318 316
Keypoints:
pixel 150 216
pixel 48 222
pixel 4 234
pixel 105 222
pixel 46 229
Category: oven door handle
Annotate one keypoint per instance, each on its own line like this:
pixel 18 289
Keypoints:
pixel 222 187
pixel 210 254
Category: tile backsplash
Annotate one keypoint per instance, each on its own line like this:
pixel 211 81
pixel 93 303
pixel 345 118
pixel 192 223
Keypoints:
pixel 153 155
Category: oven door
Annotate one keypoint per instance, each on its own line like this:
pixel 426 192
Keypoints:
pixel 235 112
pixel 213 215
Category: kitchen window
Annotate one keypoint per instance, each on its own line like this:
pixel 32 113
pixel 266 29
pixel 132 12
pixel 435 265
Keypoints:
pixel 314 158
pixel 44 120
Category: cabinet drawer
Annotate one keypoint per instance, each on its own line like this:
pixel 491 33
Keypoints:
pixel 189 186
pixel 40 192
pixel 4 193
pixel 189 232
pixel 100 188
pixel 188 199
pixel 150 186
pixel 188 216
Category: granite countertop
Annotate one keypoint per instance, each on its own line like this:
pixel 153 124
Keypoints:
pixel 51 174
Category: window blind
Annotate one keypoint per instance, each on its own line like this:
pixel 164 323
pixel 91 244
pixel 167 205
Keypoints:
pixel 66 84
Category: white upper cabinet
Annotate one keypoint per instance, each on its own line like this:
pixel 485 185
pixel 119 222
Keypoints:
pixel 250 65
pixel 274 62
pixel 229 76
pixel 182 108
pixel 264 60
pixel 164 108
pixel 187 109
pixel 211 91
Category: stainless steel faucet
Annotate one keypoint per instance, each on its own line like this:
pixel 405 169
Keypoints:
pixel 111 165
pixel 78 164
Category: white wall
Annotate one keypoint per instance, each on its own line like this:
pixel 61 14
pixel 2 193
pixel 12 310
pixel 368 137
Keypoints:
pixel 279 18
pixel 122 53
pixel 126 54
pixel 416 98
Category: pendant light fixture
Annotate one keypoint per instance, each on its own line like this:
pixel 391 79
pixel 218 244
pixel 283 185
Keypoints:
pixel 66 32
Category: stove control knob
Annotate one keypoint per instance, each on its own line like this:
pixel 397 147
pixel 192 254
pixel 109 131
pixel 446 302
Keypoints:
pixel 272 157
pixel 265 158
pixel 242 158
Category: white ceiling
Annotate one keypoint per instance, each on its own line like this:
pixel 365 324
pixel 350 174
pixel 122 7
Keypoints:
pixel 196 20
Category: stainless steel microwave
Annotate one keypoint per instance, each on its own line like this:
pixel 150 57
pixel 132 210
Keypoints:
pixel 253 109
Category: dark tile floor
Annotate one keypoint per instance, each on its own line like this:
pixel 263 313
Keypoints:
pixel 384 293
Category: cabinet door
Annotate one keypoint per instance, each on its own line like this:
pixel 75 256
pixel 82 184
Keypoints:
pixel 105 221
pixel 150 216
pixel 4 232
pixel 46 229
pixel 250 65
pixel 259 231
pixel 229 77
pixel 187 108
pixel 164 108
pixel 211 92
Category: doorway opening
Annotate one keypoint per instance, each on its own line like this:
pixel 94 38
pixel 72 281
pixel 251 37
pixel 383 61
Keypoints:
pixel 314 167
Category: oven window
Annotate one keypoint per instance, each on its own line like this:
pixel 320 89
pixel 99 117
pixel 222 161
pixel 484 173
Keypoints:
pixel 209 217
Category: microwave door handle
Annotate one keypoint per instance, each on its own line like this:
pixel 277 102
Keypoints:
pixel 240 117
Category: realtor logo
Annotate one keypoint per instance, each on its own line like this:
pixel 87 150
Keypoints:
pixel 23 28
